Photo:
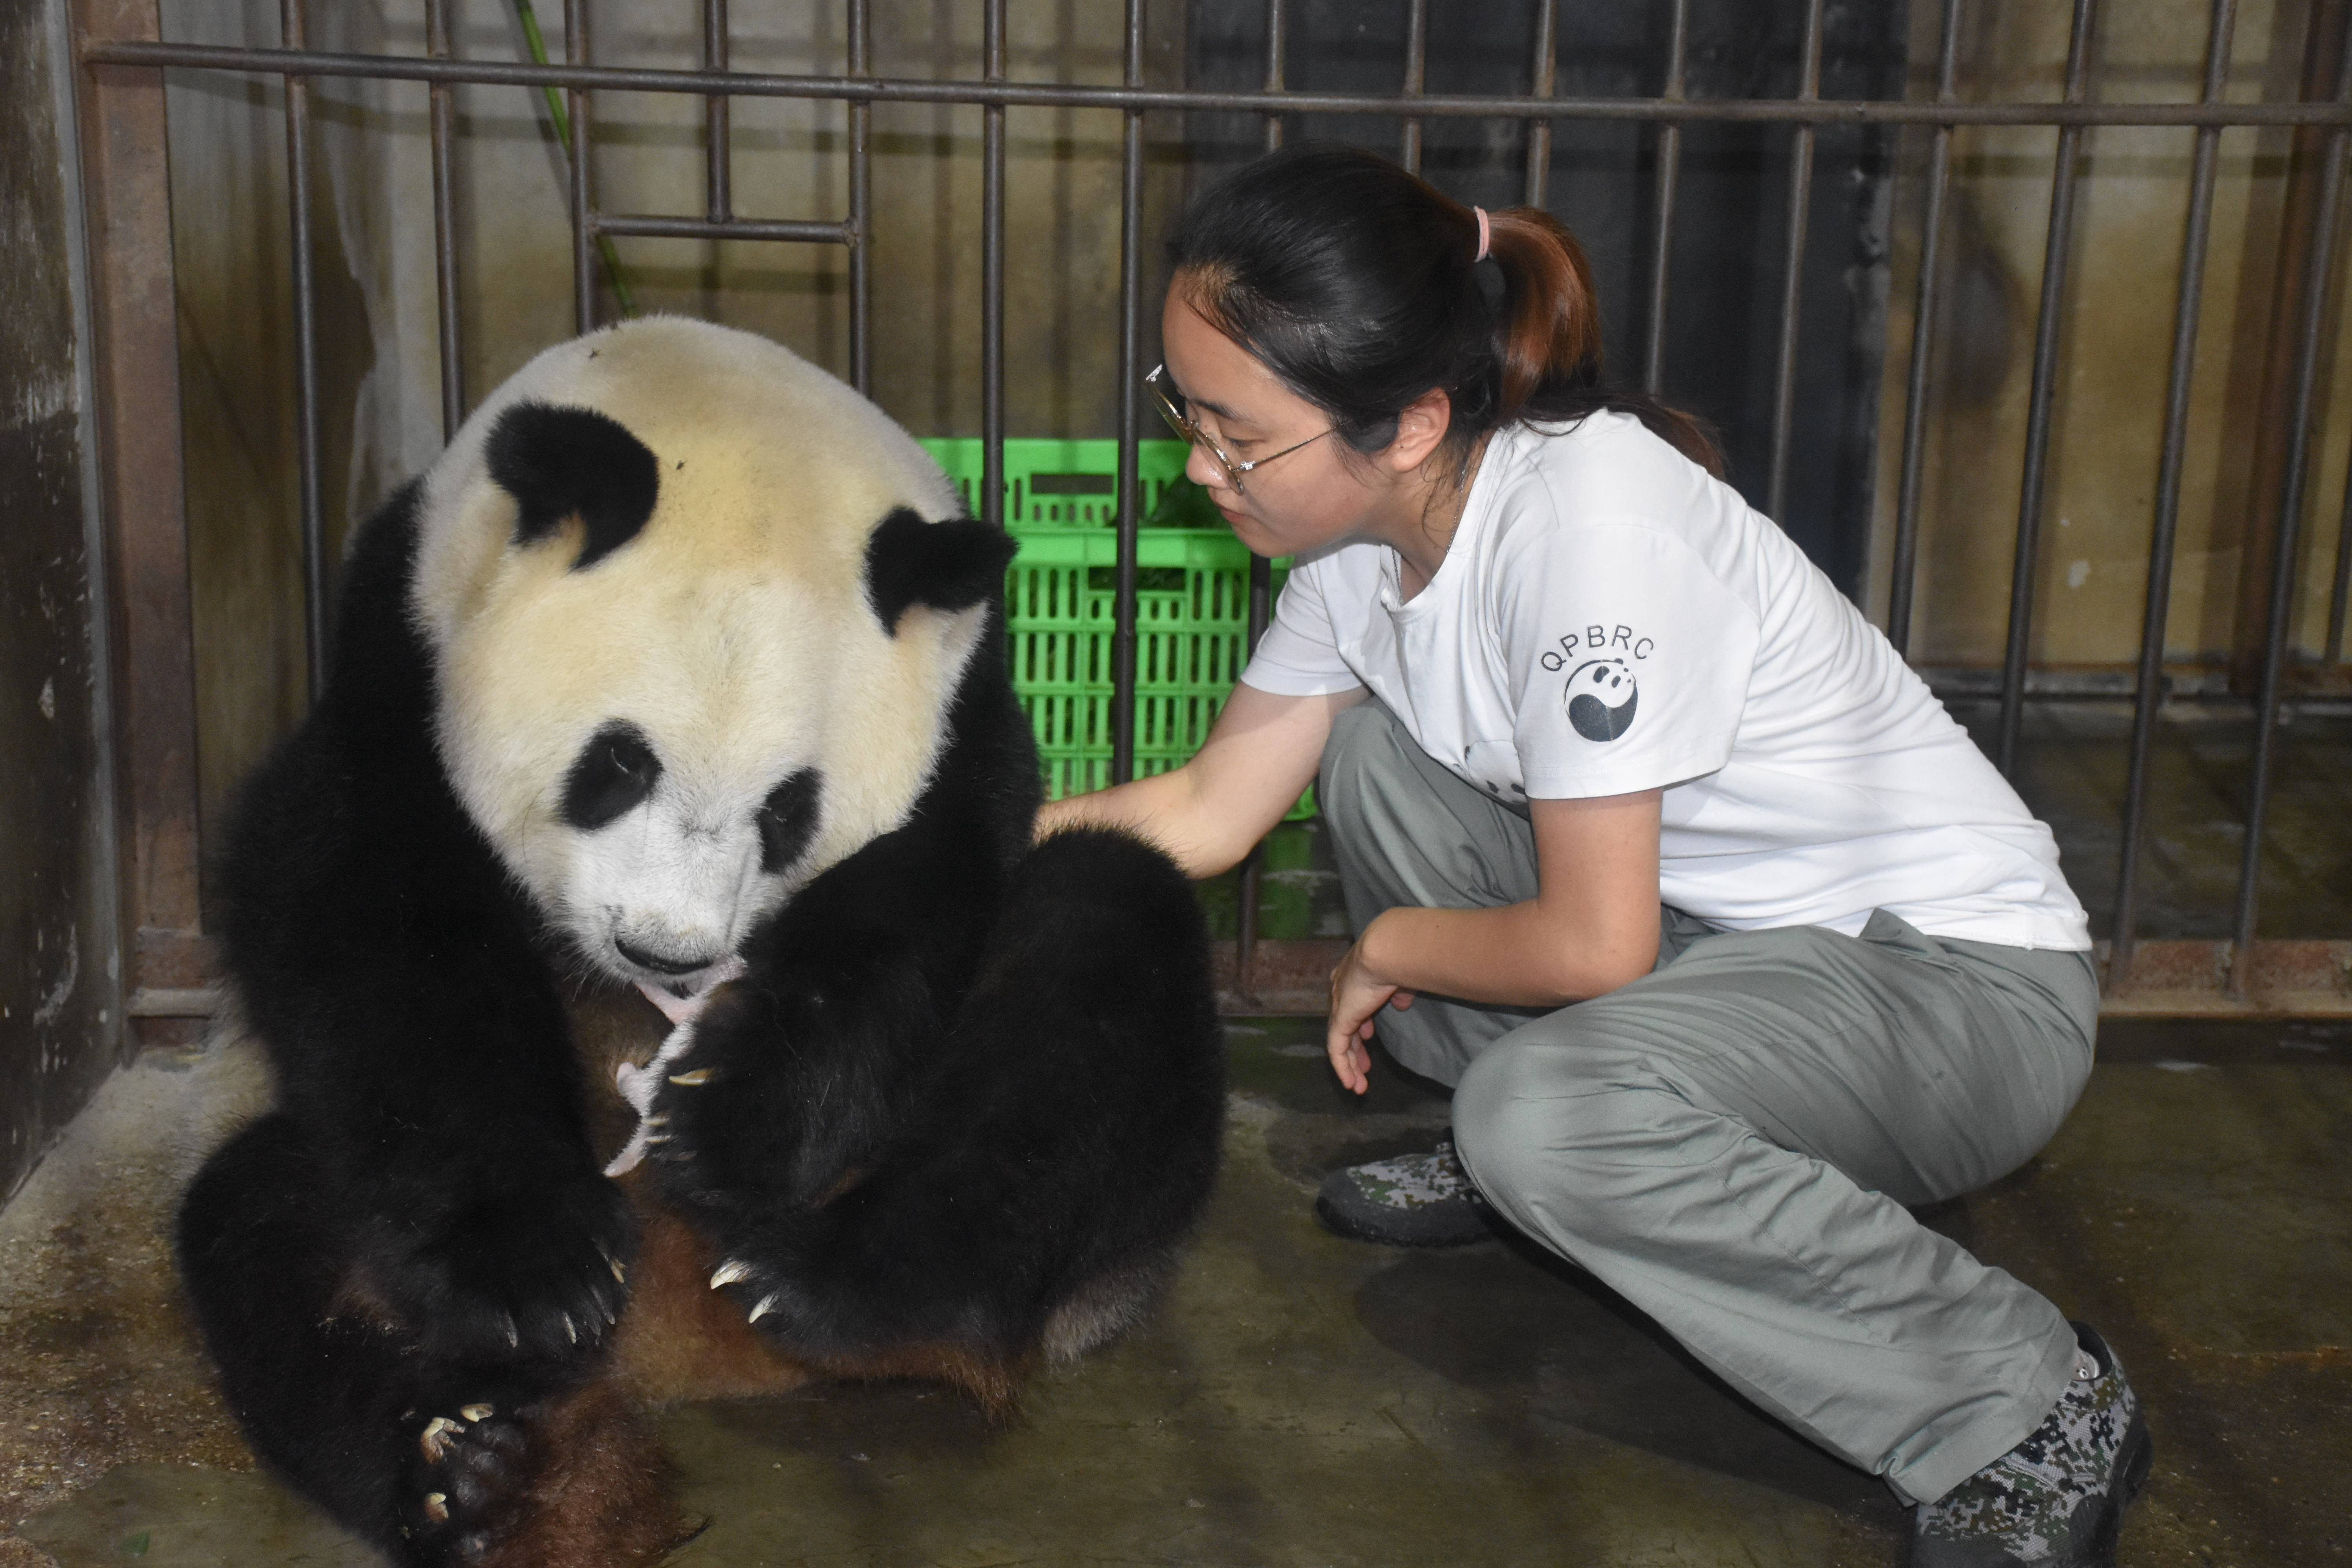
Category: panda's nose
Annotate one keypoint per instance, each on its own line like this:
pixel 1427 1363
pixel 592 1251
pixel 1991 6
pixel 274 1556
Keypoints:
pixel 659 965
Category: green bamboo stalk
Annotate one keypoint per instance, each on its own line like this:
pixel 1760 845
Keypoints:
pixel 531 37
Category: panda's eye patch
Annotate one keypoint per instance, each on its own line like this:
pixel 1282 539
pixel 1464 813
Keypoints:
pixel 788 820
pixel 616 771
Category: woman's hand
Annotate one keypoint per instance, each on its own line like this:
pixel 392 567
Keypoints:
pixel 1358 993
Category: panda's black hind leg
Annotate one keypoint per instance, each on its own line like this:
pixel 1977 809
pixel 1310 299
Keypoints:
pixel 428 1459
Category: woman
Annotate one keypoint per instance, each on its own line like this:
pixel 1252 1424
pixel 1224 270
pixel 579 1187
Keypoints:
pixel 1730 941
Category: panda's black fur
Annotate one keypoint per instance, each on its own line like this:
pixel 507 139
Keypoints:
pixel 953 1118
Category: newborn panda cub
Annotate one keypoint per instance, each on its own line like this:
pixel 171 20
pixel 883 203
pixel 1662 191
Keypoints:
pixel 680 665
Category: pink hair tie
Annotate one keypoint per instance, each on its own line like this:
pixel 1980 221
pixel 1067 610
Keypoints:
pixel 1481 236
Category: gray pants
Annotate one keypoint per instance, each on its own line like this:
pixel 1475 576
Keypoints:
pixel 1730 1141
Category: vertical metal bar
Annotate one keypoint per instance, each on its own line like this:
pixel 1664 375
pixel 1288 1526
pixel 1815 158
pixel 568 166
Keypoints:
pixel 1130 370
pixel 861 207
pixel 1261 593
pixel 310 494
pixel 1542 79
pixel 2148 697
pixel 2336 598
pixel 2058 249
pixel 1792 272
pixel 583 216
pixel 1416 72
pixel 134 363
pixel 1904 582
pixel 2318 280
pixel 991 273
pixel 1661 231
pixel 1274 45
pixel 445 223
pixel 717 131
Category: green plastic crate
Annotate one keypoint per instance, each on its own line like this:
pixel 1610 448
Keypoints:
pixel 1191 607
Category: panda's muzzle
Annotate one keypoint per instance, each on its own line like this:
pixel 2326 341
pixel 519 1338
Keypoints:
pixel 661 966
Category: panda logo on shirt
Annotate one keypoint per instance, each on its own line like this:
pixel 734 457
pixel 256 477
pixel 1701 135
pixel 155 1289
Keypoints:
pixel 1601 695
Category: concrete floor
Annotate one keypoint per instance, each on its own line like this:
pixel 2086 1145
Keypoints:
pixel 1305 1400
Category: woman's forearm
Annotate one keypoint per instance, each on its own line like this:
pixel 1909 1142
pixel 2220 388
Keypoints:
pixel 1519 955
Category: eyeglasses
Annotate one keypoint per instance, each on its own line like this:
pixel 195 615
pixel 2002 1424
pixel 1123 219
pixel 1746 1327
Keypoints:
pixel 1173 412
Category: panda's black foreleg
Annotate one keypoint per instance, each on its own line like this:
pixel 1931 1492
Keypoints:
pixel 1063 1137
pixel 426 1455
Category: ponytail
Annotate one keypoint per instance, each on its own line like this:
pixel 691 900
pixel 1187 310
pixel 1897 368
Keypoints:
pixel 1363 287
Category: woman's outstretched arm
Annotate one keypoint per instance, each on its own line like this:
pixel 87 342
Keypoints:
pixel 1260 754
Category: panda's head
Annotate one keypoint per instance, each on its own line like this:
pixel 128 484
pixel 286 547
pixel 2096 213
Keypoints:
pixel 698 611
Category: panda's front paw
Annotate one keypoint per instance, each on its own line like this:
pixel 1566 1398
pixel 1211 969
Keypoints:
pixel 462 1484
pixel 743 1123
pixel 538 1273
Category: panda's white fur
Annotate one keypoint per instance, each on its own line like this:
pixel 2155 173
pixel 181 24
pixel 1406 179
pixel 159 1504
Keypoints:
pixel 733 630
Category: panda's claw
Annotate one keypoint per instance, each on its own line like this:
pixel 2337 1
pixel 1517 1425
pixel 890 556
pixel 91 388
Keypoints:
pixel 434 1441
pixel 437 1507
pixel 767 1303
pixel 730 1272
pixel 514 1336
pixel 571 1331
pixel 694 1079
pixel 620 1270
pixel 476 1412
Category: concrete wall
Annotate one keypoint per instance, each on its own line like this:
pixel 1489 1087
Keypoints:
pixel 60 1004
pixel 2116 354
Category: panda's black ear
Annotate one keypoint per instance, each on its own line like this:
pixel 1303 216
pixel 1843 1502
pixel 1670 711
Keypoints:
pixel 574 462
pixel 952 565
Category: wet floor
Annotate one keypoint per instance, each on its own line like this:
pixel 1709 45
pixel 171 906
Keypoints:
pixel 1304 1399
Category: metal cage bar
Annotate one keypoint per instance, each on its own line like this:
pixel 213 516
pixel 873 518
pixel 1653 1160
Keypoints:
pixel 1541 79
pixel 1661 202
pixel 2317 285
pixel 1903 580
pixel 991 273
pixel 1792 272
pixel 1261 591
pixel 311 494
pixel 1057 95
pixel 1130 376
pixel 2058 249
pixel 1416 77
pixel 861 205
pixel 583 215
pixel 717 131
pixel 2149 693
pixel 444 223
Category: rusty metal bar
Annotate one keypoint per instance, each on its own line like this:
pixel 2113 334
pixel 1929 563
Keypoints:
pixel 2333 653
pixel 1051 95
pixel 2057 250
pixel 661 226
pixel 2148 697
pixel 1541 79
pixel 583 215
pixel 1904 580
pixel 2319 279
pixel 718 128
pixel 1131 373
pixel 1792 273
pixel 861 205
pixel 991 274
pixel 1416 74
pixel 1662 201
pixel 135 388
pixel 310 491
pixel 444 223
pixel 1261 595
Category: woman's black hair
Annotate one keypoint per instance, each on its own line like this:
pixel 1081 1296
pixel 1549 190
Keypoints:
pixel 1357 283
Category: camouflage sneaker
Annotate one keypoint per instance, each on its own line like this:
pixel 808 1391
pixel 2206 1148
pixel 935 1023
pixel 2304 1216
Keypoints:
pixel 2057 1500
pixel 1413 1200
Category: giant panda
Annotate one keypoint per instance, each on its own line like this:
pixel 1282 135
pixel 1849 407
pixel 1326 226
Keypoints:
pixel 682 663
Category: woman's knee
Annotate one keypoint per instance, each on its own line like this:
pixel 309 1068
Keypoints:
pixel 1555 1145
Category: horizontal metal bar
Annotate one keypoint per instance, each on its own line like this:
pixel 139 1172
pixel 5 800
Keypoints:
pixel 871 90
pixel 663 225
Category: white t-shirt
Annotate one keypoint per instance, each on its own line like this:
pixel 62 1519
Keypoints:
pixel 1612 619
